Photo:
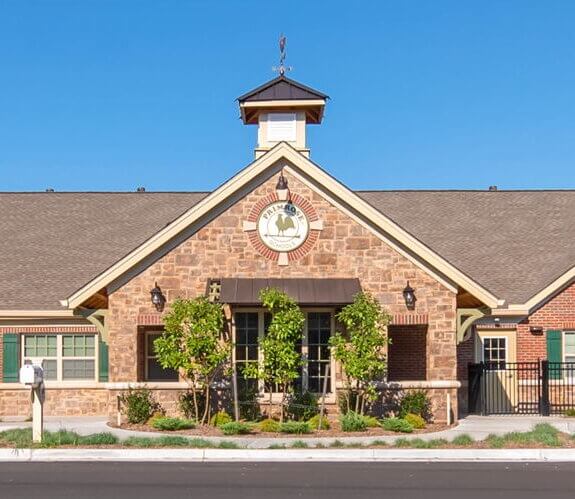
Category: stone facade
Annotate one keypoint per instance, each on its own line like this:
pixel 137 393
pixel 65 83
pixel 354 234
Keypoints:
pixel 59 402
pixel 344 248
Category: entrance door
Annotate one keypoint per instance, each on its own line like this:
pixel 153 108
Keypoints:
pixel 500 384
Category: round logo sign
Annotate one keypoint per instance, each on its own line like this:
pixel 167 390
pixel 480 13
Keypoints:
pixel 283 226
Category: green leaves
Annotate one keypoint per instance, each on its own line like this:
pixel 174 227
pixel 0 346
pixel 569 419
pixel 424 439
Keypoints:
pixel 281 359
pixel 193 342
pixel 362 350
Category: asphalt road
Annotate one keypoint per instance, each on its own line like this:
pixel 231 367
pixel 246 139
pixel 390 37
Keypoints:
pixel 279 481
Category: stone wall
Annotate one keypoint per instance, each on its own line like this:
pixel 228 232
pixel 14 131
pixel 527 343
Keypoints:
pixel 344 248
pixel 59 402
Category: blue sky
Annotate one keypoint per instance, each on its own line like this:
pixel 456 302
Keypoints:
pixel 113 94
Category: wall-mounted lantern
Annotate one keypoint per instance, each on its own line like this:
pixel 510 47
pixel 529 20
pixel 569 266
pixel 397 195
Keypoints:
pixel 158 298
pixel 409 296
pixel 282 188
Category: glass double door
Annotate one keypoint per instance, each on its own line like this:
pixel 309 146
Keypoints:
pixel 251 325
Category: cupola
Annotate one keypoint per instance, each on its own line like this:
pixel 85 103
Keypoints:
pixel 282 108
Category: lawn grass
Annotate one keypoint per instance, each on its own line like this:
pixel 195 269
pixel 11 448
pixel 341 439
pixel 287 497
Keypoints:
pixel 22 438
pixel 541 435
pixel 299 444
pixel 462 440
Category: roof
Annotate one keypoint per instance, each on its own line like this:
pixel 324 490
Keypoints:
pixel 282 88
pixel 304 291
pixel 512 242
pixel 52 243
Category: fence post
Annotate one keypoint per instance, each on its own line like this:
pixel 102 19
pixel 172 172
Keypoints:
pixel 544 405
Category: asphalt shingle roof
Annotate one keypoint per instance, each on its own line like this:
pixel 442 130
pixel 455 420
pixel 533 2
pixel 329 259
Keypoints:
pixel 513 243
pixel 51 244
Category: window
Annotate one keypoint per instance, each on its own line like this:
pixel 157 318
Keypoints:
pixel 249 326
pixel 247 332
pixel 318 353
pixel 569 350
pixel 154 371
pixel 495 351
pixel 64 357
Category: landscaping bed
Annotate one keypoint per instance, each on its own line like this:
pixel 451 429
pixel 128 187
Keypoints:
pixel 334 431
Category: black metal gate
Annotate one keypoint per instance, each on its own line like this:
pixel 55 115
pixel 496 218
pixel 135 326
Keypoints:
pixel 521 387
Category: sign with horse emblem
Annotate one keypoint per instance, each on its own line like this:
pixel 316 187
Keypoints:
pixel 283 226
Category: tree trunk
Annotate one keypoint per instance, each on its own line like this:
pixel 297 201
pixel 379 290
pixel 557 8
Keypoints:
pixel 270 405
pixel 195 397
pixel 283 403
pixel 207 408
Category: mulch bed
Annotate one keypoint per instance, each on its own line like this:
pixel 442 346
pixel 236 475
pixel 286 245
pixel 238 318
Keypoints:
pixel 334 432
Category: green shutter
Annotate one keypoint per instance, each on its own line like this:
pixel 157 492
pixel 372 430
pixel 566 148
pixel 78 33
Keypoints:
pixel 554 352
pixel 11 358
pixel 103 360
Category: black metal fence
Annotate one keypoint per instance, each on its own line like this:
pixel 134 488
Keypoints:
pixel 521 387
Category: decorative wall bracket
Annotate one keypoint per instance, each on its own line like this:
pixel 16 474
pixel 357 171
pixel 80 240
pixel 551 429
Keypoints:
pixel 465 319
pixel 96 316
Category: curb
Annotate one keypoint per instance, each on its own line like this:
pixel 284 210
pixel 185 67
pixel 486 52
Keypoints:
pixel 286 455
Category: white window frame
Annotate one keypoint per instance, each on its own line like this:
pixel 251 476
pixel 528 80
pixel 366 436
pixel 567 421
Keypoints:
pixel 60 381
pixel 304 348
pixel 147 356
pixel 564 346
pixel 494 337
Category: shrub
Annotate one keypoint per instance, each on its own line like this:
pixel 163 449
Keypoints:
pixel 314 423
pixel 269 426
pixel 416 402
pixel 295 427
pixel 220 418
pixel 172 424
pixel 570 413
pixel 235 428
pixel 398 425
pixel 139 405
pixel 352 421
pixel 302 406
pixel 415 420
pixel 371 421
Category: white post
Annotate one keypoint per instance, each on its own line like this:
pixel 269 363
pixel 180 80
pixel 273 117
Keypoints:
pixel 448 406
pixel 37 412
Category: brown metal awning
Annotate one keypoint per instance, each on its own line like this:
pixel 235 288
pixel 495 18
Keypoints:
pixel 304 291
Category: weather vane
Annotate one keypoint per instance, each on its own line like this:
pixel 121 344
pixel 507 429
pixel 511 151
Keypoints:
pixel 282 68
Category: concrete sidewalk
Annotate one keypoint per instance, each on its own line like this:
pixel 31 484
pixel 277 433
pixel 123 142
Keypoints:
pixel 477 427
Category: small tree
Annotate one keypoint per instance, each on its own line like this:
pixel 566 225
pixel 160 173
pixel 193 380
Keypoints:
pixel 361 351
pixel 281 360
pixel 193 342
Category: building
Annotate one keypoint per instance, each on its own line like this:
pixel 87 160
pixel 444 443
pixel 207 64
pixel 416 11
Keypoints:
pixel 491 271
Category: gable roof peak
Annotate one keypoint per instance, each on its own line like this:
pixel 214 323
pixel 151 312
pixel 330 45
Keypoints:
pixel 282 88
